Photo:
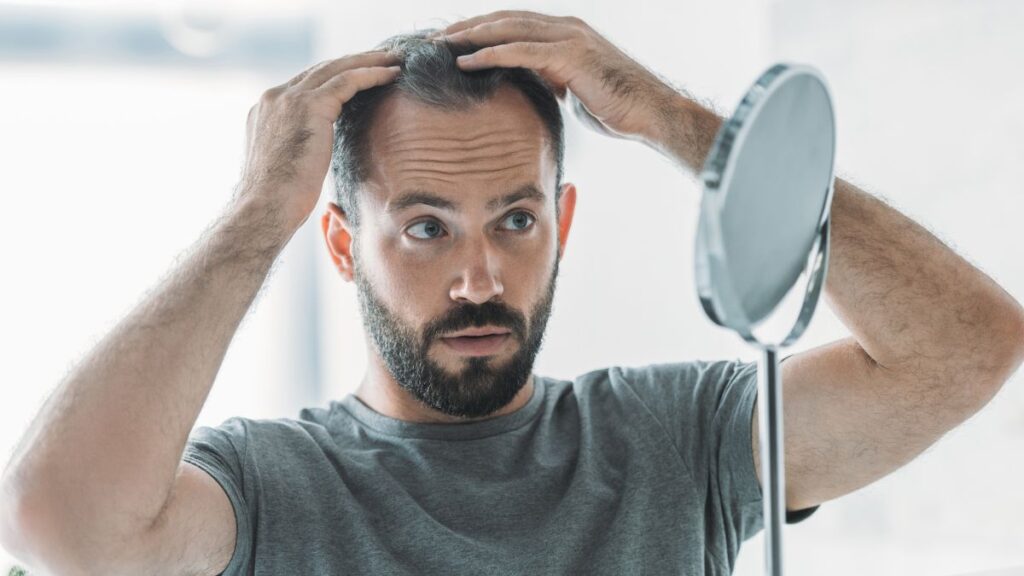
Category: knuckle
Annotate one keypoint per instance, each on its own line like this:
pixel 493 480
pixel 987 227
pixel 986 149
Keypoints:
pixel 293 97
pixel 579 33
pixel 525 24
pixel 270 94
pixel 344 78
pixel 576 21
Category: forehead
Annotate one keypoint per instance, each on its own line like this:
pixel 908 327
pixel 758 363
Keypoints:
pixel 486 149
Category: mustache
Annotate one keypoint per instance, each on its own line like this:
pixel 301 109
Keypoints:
pixel 465 316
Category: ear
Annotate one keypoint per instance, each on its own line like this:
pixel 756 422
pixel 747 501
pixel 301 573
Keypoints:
pixel 566 205
pixel 336 228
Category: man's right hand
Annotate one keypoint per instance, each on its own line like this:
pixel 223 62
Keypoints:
pixel 290 131
pixel 97 484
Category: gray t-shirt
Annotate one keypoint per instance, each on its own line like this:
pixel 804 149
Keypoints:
pixel 624 470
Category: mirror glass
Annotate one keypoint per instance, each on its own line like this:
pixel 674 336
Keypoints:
pixel 767 190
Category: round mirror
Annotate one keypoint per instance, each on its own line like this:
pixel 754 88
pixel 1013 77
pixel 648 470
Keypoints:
pixel 762 242
pixel 764 212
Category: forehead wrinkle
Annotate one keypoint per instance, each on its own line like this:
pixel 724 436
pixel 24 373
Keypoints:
pixel 443 142
pixel 523 158
pixel 498 147
pixel 429 172
pixel 506 157
pixel 441 126
pixel 452 165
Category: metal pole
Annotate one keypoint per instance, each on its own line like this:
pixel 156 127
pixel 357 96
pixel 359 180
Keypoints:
pixel 773 469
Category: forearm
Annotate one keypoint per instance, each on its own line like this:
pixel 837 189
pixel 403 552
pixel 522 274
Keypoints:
pixel 98 461
pixel 909 301
pixel 684 133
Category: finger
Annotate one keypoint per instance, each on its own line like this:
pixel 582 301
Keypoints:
pixel 317 67
pixel 298 77
pixel 476 20
pixel 345 85
pixel 328 69
pixel 547 59
pixel 508 30
pixel 535 55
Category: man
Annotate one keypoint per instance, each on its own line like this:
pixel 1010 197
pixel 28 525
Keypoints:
pixel 452 456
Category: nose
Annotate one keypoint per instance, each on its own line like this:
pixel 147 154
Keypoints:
pixel 479 280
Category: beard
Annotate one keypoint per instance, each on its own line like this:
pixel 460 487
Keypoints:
pixel 481 386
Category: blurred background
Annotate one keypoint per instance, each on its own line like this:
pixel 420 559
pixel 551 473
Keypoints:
pixel 121 137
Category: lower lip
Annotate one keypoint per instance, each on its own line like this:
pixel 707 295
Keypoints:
pixel 477 346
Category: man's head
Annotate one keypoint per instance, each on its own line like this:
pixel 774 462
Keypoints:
pixel 430 76
pixel 450 214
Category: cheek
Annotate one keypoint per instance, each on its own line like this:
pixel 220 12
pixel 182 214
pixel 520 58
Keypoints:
pixel 400 280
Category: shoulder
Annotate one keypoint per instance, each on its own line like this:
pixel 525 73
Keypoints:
pixel 691 401
pixel 682 381
pixel 664 387
pixel 245 435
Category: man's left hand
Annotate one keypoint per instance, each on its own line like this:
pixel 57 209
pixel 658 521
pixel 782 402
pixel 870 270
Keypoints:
pixel 611 92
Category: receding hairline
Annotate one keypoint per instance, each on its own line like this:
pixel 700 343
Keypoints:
pixel 452 91
pixel 388 101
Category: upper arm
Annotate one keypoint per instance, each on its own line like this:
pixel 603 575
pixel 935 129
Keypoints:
pixel 195 532
pixel 849 421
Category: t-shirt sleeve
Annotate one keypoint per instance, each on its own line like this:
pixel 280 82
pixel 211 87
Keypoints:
pixel 743 377
pixel 707 409
pixel 221 452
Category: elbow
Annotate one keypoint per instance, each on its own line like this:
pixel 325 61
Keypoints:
pixel 19 530
pixel 13 512
pixel 10 535
pixel 1017 337
pixel 1004 350
pixel 39 540
pixel 1013 341
pixel 985 361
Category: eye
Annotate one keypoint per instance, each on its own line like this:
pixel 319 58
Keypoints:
pixel 521 218
pixel 431 227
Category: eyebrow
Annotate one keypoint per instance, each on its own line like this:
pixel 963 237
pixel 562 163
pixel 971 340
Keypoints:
pixel 414 197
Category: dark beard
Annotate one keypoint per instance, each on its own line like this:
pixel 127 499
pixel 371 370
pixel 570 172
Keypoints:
pixel 480 388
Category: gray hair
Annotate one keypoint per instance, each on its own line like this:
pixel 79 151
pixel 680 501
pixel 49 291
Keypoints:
pixel 429 74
